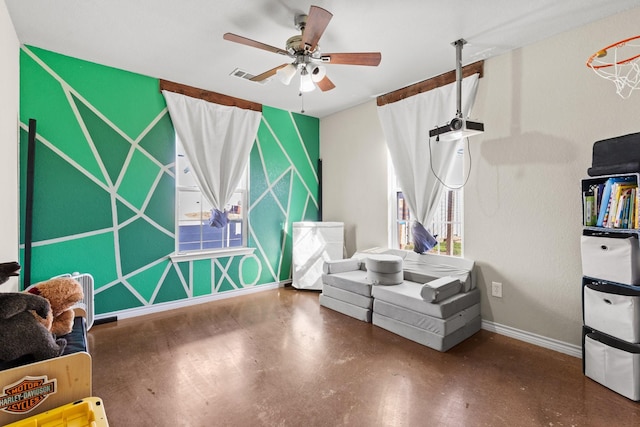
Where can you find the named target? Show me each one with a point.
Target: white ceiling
(182, 40)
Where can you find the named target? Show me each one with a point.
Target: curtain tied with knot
(217, 140)
(406, 126)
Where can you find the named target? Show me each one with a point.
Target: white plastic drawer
(615, 315)
(612, 259)
(612, 367)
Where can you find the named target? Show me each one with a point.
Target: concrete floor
(276, 358)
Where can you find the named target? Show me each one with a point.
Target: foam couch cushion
(407, 294)
(424, 337)
(382, 263)
(423, 268)
(383, 269)
(340, 265)
(442, 327)
(346, 296)
(345, 308)
(440, 289)
(352, 281)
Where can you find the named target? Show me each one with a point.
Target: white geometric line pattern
(287, 202)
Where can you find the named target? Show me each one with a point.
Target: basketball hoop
(619, 63)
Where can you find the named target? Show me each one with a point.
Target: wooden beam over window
(430, 84)
(209, 96)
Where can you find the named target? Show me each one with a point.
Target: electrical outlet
(496, 289)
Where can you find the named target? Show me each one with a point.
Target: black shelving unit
(610, 252)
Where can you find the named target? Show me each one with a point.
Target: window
(193, 211)
(447, 224)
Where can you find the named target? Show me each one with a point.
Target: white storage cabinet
(313, 244)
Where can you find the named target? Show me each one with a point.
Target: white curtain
(217, 140)
(406, 126)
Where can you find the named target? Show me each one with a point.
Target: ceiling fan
(306, 55)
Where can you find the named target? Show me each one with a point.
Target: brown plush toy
(62, 293)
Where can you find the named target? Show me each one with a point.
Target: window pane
(193, 213)
(446, 225)
(404, 223)
(184, 175)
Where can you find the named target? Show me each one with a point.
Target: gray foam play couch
(437, 304)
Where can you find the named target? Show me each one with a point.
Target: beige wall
(354, 176)
(543, 109)
(9, 115)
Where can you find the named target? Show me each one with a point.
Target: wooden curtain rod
(209, 96)
(430, 84)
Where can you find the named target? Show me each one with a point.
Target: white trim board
(158, 308)
(531, 338)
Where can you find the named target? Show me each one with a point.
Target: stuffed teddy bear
(20, 333)
(62, 294)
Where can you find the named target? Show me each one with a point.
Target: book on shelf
(589, 204)
(612, 204)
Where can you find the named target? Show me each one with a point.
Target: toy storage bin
(611, 256)
(611, 308)
(612, 362)
(87, 412)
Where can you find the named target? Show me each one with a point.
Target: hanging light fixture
(318, 72)
(306, 83)
(286, 73)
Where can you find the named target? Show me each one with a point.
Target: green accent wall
(104, 199)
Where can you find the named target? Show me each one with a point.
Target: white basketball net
(619, 63)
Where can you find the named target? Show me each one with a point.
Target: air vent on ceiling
(244, 75)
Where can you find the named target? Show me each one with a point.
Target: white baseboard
(157, 308)
(539, 340)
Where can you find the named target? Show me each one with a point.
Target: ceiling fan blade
(252, 43)
(325, 84)
(267, 74)
(317, 22)
(360, 58)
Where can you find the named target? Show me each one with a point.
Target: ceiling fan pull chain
(301, 102)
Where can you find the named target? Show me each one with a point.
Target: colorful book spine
(614, 208)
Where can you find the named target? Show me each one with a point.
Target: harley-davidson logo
(25, 394)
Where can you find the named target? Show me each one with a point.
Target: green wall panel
(146, 282)
(171, 288)
(183, 268)
(43, 99)
(282, 189)
(161, 206)
(201, 277)
(112, 147)
(124, 234)
(82, 254)
(271, 154)
(60, 187)
(138, 179)
(116, 298)
(223, 280)
(158, 139)
(131, 101)
(141, 244)
(258, 178)
(123, 212)
(309, 128)
(286, 131)
(250, 269)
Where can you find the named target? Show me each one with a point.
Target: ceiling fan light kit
(286, 73)
(306, 84)
(306, 55)
(318, 72)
